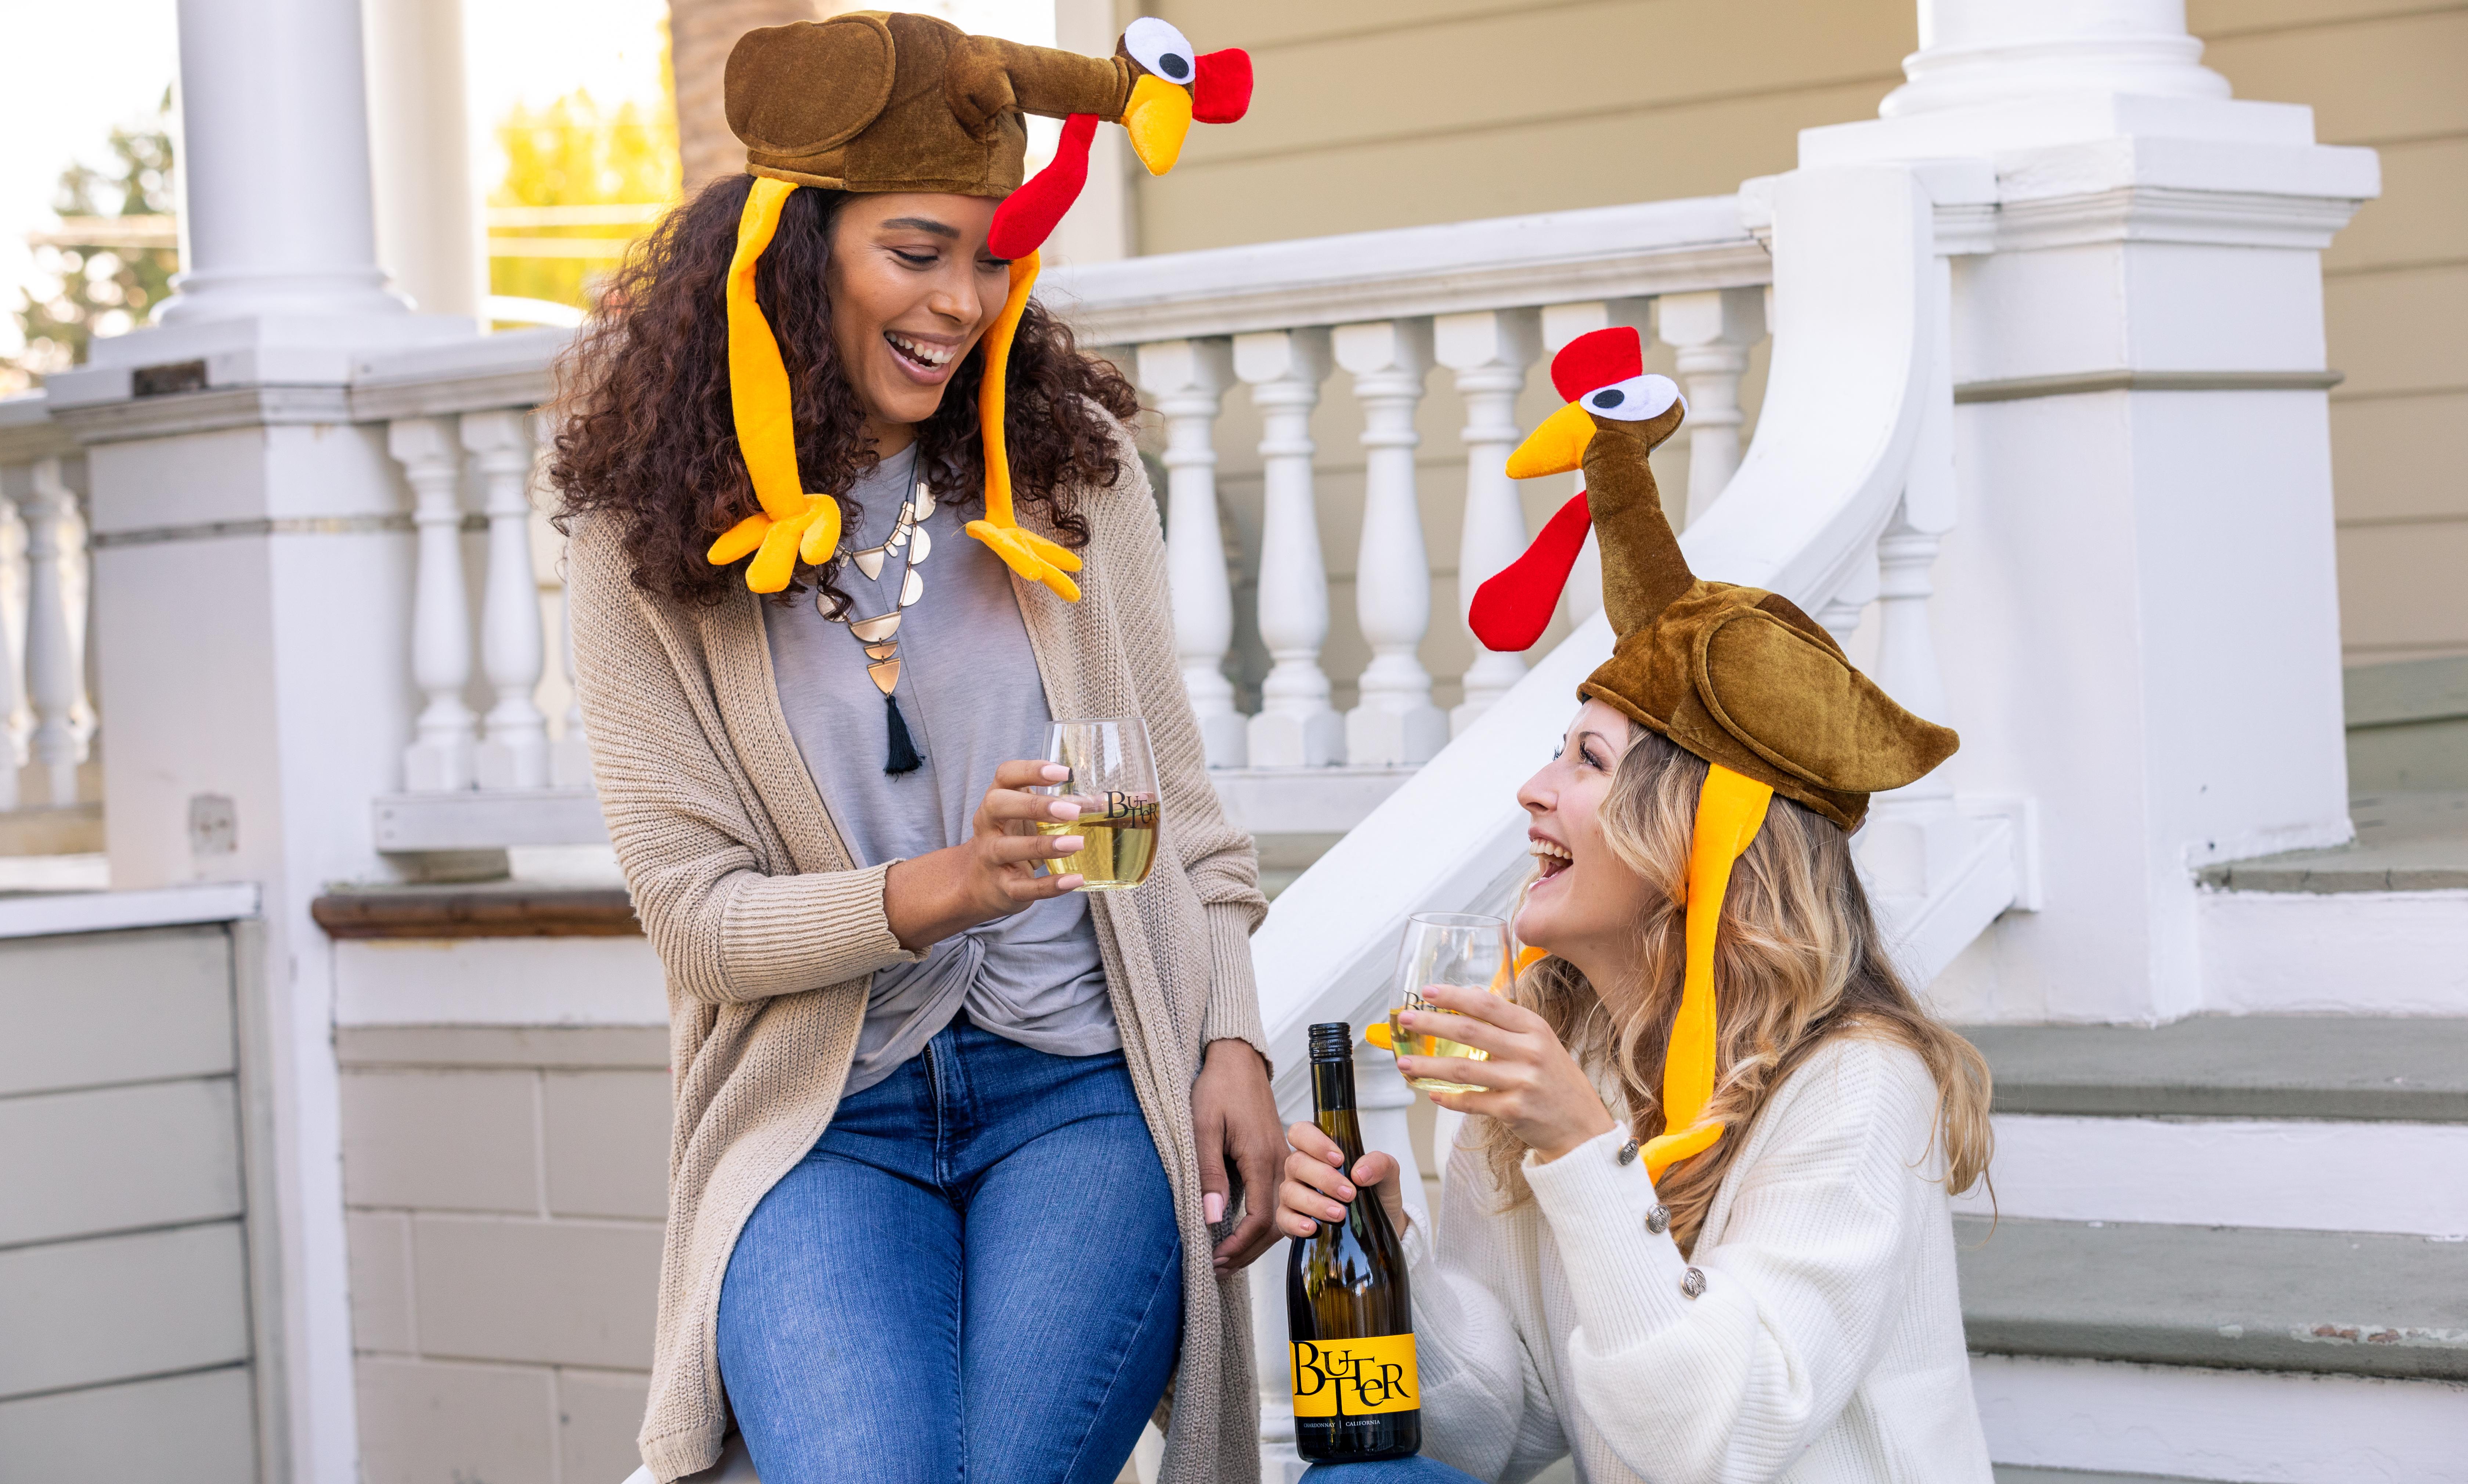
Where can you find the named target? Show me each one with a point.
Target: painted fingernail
(1067, 844)
(1212, 1205)
(1065, 810)
(1056, 772)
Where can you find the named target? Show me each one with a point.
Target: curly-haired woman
(954, 1142)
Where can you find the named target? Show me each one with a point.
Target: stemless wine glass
(1113, 780)
(1446, 947)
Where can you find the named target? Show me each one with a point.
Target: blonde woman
(1692, 1238)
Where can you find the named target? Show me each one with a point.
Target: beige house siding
(1390, 113)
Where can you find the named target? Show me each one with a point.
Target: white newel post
(254, 636)
(1393, 721)
(1489, 350)
(51, 653)
(1712, 332)
(516, 752)
(2139, 612)
(1297, 726)
(1187, 378)
(439, 757)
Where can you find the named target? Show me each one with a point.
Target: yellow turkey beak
(1156, 117)
(1555, 447)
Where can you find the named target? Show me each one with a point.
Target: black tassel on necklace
(902, 756)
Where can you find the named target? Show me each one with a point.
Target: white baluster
(1712, 332)
(569, 758)
(1839, 615)
(1915, 836)
(1297, 726)
(50, 649)
(516, 752)
(439, 759)
(15, 720)
(1393, 721)
(1489, 350)
(1188, 379)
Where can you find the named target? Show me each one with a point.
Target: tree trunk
(702, 34)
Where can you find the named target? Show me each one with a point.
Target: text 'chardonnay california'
(1348, 1313)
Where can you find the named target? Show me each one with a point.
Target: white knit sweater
(1827, 1345)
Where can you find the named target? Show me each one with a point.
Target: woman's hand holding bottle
(1316, 1186)
(992, 873)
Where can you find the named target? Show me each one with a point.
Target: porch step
(2406, 842)
(2020, 1475)
(2398, 1068)
(2325, 1302)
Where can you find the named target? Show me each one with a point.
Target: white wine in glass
(1113, 780)
(1464, 948)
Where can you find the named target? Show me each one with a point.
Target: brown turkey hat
(876, 102)
(1738, 675)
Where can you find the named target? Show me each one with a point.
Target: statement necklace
(878, 635)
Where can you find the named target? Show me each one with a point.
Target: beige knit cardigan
(770, 937)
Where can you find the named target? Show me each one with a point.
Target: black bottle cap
(1331, 1040)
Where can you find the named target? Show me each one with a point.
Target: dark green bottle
(1348, 1311)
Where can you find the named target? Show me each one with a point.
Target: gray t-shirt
(970, 692)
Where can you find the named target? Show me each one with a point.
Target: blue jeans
(974, 1274)
(1417, 1470)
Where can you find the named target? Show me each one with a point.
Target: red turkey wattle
(1511, 610)
(1029, 215)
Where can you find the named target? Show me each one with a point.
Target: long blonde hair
(1797, 962)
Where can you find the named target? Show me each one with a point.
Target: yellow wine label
(1356, 1378)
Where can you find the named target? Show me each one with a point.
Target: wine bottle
(1348, 1313)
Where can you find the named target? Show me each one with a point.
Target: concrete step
(2370, 1068)
(2406, 842)
(2016, 1473)
(2364, 1303)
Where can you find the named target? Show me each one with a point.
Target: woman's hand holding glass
(991, 874)
(1532, 1084)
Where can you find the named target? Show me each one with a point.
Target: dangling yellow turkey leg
(1030, 555)
(1730, 809)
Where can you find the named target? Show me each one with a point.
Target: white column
(274, 143)
(1187, 379)
(50, 648)
(516, 752)
(1489, 350)
(1297, 726)
(569, 757)
(439, 757)
(1393, 721)
(1997, 50)
(429, 240)
(1712, 332)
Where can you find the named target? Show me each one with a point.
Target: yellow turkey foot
(1032, 556)
(1666, 1150)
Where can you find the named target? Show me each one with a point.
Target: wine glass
(1113, 780)
(1465, 948)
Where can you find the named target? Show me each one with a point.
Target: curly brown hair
(646, 434)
